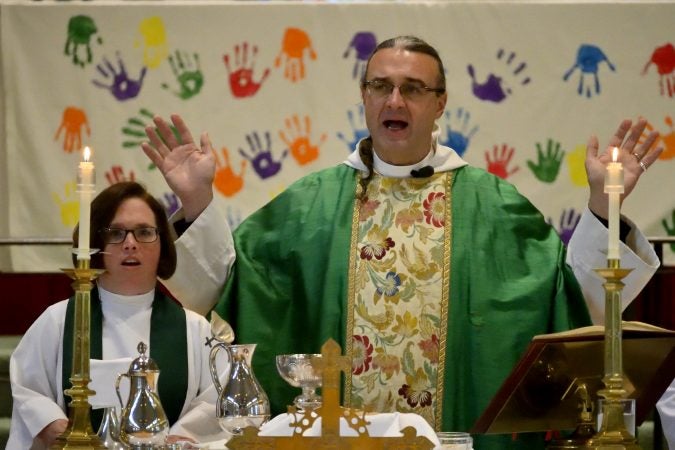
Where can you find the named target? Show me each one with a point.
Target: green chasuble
(288, 290)
(168, 347)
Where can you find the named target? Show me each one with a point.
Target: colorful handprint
(72, 121)
(226, 181)
(261, 158)
(569, 219)
(170, 202)
(134, 131)
(293, 47)
(495, 89)
(664, 59)
(576, 166)
(80, 32)
(547, 167)
(458, 136)
(188, 74)
(668, 138)
(240, 74)
(588, 62)
(69, 205)
(298, 141)
(116, 175)
(359, 129)
(498, 163)
(153, 39)
(363, 43)
(117, 81)
(670, 228)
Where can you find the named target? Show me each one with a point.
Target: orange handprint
(293, 46)
(72, 121)
(668, 139)
(500, 159)
(301, 148)
(116, 175)
(226, 181)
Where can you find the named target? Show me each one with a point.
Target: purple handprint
(494, 89)
(588, 60)
(171, 203)
(363, 43)
(122, 87)
(359, 129)
(569, 219)
(458, 139)
(260, 158)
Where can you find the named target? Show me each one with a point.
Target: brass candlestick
(79, 434)
(613, 433)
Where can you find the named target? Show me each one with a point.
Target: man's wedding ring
(643, 165)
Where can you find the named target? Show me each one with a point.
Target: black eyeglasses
(410, 90)
(118, 235)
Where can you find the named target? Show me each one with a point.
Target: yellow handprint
(70, 205)
(153, 36)
(576, 165)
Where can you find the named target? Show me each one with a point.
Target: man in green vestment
(431, 274)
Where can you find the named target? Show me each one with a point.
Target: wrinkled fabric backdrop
(276, 86)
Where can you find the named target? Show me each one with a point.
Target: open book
(599, 330)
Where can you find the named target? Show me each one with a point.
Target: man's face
(401, 127)
(131, 266)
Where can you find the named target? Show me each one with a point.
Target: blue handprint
(588, 60)
(494, 89)
(569, 219)
(359, 129)
(458, 139)
(363, 43)
(260, 158)
(121, 87)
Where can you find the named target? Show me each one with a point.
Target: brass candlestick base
(79, 434)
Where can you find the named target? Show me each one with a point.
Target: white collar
(125, 303)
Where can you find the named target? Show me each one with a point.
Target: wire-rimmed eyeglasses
(145, 235)
(410, 90)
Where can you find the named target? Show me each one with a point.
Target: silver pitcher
(109, 430)
(143, 419)
(242, 402)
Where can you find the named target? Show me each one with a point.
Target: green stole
(168, 334)
(289, 288)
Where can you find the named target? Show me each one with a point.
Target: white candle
(614, 189)
(85, 187)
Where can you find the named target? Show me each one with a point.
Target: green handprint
(188, 74)
(70, 205)
(134, 131)
(670, 229)
(548, 166)
(80, 31)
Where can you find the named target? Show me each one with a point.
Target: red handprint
(298, 141)
(294, 44)
(116, 175)
(500, 159)
(226, 181)
(72, 121)
(241, 79)
(664, 59)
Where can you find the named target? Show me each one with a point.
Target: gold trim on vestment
(353, 251)
(445, 302)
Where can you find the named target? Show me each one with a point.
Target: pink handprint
(241, 78)
(293, 46)
(497, 165)
(226, 181)
(72, 122)
(298, 141)
(664, 59)
(116, 175)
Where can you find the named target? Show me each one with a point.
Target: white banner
(276, 86)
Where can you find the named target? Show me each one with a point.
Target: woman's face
(131, 266)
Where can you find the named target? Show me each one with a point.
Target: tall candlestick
(85, 187)
(614, 189)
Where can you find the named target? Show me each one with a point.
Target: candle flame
(615, 154)
(87, 153)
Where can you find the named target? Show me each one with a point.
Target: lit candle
(85, 185)
(614, 189)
